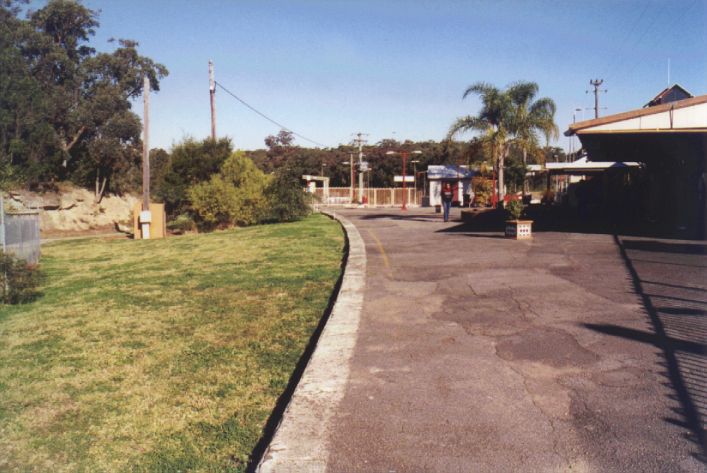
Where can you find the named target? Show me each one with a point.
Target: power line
(266, 117)
(623, 43)
(630, 66)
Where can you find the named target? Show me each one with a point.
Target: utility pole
(145, 218)
(146, 145)
(360, 142)
(212, 94)
(351, 181)
(596, 83)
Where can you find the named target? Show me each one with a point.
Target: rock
(73, 209)
(123, 227)
(50, 201)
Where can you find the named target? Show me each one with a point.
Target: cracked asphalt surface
(570, 352)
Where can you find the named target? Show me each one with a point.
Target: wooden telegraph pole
(212, 94)
(146, 146)
(145, 218)
(596, 84)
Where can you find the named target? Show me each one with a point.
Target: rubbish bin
(438, 209)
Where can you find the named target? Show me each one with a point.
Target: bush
(483, 191)
(183, 223)
(514, 208)
(235, 196)
(288, 201)
(214, 202)
(18, 280)
(191, 162)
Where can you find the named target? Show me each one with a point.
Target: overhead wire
(630, 66)
(246, 104)
(622, 44)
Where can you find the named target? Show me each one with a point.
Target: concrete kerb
(300, 440)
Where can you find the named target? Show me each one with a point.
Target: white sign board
(407, 178)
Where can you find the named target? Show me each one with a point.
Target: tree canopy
(508, 117)
(65, 109)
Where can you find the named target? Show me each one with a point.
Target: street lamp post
(405, 155)
(351, 162)
(574, 120)
(414, 178)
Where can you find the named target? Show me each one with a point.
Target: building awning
(584, 166)
(449, 172)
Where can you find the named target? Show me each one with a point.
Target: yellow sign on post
(151, 224)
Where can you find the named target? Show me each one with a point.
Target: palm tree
(495, 121)
(531, 117)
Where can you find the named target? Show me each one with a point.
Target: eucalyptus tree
(494, 121)
(531, 117)
(73, 100)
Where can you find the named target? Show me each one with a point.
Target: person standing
(447, 195)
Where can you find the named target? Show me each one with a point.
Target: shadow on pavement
(666, 247)
(564, 220)
(401, 215)
(675, 286)
(679, 331)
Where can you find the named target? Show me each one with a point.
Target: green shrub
(288, 201)
(18, 280)
(190, 162)
(235, 196)
(183, 223)
(514, 208)
(214, 202)
(483, 191)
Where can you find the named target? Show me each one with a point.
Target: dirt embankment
(74, 211)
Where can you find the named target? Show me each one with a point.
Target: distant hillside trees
(204, 182)
(65, 109)
(382, 167)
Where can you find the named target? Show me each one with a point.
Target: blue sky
(328, 69)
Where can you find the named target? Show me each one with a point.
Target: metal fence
(19, 234)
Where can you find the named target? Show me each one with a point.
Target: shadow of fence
(676, 304)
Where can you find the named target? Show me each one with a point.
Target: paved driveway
(570, 352)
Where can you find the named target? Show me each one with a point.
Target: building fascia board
(668, 108)
(639, 131)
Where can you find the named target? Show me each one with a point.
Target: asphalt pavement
(474, 353)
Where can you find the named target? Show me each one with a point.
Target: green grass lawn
(160, 355)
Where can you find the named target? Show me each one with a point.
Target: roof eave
(641, 112)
